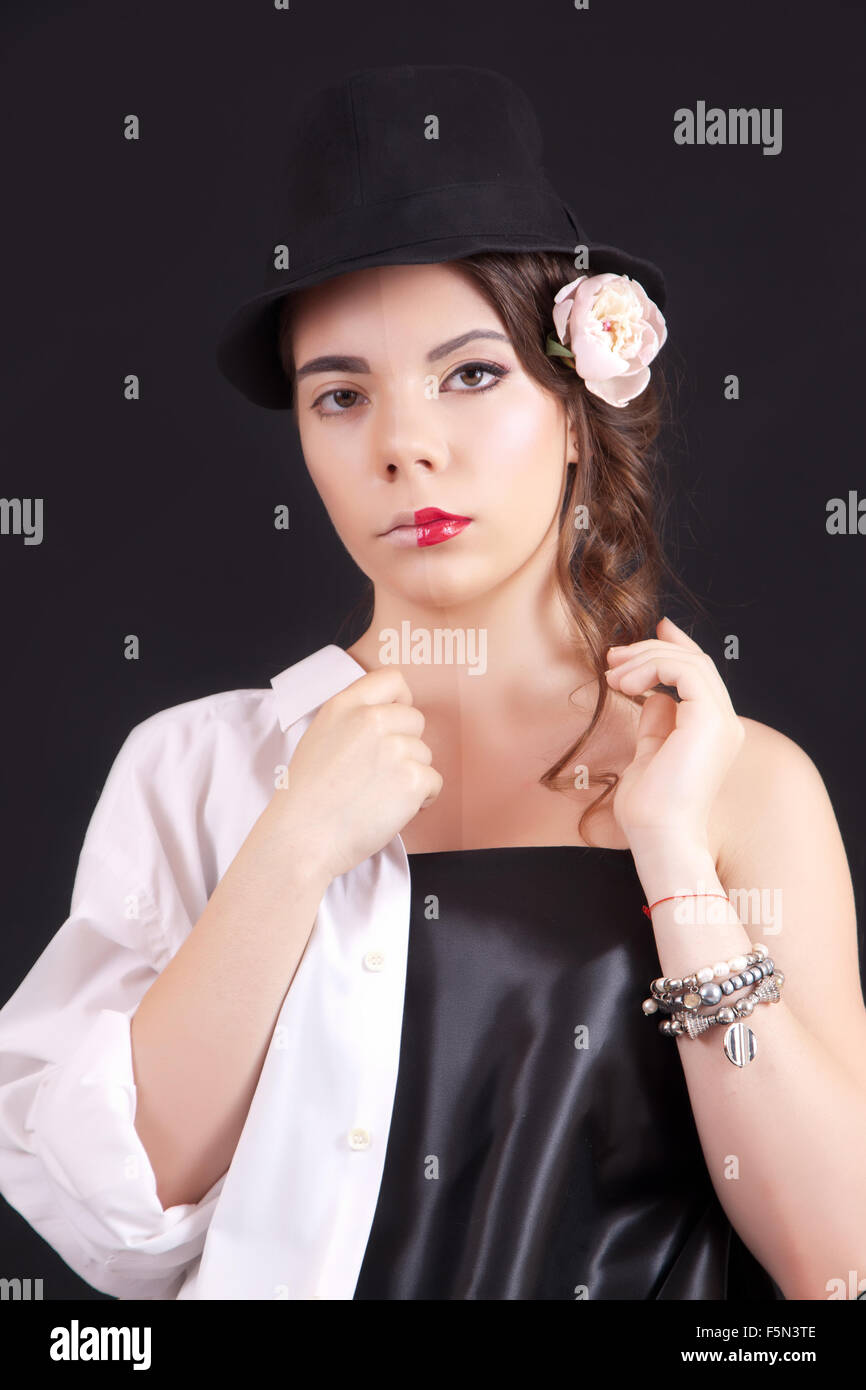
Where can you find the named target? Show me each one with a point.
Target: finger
(658, 719)
(672, 634)
(666, 651)
(377, 688)
(409, 747)
(658, 653)
(668, 625)
(619, 655)
(650, 644)
(403, 719)
(688, 675)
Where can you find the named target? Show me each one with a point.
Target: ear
(571, 438)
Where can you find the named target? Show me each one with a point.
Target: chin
(446, 591)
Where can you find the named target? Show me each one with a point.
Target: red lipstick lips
(430, 526)
(434, 525)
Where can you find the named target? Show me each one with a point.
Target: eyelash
(490, 367)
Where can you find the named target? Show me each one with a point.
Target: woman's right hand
(359, 773)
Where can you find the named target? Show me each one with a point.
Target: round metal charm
(740, 1044)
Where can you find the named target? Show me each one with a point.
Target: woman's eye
(476, 369)
(341, 410)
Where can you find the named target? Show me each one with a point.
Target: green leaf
(556, 349)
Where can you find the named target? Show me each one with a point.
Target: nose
(407, 437)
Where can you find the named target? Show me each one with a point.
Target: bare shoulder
(772, 792)
(770, 776)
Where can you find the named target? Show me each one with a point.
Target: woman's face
(412, 417)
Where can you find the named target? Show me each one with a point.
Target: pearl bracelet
(703, 987)
(683, 997)
(768, 992)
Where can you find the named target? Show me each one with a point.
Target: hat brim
(247, 352)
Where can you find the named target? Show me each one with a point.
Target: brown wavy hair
(610, 573)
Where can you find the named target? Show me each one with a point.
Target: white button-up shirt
(292, 1215)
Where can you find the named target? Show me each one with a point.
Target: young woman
(360, 992)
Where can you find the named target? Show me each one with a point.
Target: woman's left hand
(684, 749)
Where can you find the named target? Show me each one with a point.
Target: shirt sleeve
(71, 1160)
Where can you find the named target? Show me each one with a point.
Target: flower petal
(622, 390)
(561, 315)
(594, 360)
(560, 294)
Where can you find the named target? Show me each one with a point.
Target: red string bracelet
(648, 910)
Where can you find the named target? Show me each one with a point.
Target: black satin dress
(521, 1166)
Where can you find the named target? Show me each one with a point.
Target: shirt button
(374, 960)
(359, 1139)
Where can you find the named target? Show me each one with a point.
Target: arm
(784, 1137)
(201, 1033)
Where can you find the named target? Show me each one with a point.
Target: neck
(506, 651)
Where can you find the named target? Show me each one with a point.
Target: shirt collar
(307, 684)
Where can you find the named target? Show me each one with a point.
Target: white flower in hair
(611, 331)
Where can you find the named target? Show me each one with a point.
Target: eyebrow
(360, 364)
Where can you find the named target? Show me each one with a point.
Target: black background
(124, 256)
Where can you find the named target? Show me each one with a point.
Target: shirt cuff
(80, 1128)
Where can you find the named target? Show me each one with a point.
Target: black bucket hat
(405, 165)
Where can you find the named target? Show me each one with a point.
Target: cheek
(331, 476)
(328, 474)
(326, 484)
(523, 448)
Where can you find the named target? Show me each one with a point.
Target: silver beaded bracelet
(711, 993)
(683, 997)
